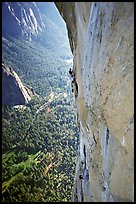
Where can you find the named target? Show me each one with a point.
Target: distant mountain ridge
(14, 92)
(24, 19)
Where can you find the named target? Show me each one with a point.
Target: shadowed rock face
(101, 36)
(13, 90)
(23, 19)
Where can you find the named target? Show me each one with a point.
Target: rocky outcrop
(13, 90)
(24, 19)
(101, 36)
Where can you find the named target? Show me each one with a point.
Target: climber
(74, 87)
(71, 73)
(82, 162)
(80, 176)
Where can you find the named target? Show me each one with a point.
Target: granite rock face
(101, 36)
(14, 92)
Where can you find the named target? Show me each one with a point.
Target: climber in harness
(81, 177)
(82, 196)
(72, 74)
(73, 83)
(74, 87)
(70, 71)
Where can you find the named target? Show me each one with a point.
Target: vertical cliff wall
(101, 37)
